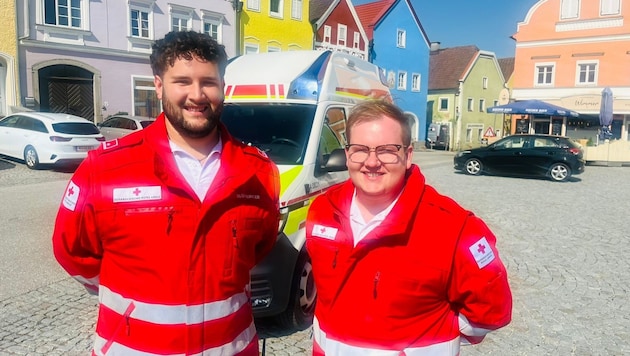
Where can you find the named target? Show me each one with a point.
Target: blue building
(400, 46)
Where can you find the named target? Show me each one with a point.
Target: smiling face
(192, 96)
(377, 183)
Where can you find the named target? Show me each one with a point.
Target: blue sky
(488, 24)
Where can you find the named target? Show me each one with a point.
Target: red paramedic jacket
(171, 271)
(425, 280)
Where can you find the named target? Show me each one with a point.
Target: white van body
(294, 106)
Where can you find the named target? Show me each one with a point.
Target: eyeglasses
(384, 153)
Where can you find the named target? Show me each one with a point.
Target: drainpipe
(237, 5)
(458, 115)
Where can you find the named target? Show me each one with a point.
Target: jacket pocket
(243, 235)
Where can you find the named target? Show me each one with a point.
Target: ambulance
(293, 106)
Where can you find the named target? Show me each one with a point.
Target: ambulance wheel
(301, 307)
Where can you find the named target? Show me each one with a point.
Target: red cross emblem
(136, 192)
(481, 248)
(70, 191)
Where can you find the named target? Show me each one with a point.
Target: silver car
(47, 138)
(117, 126)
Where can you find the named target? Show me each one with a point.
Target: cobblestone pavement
(564, 244)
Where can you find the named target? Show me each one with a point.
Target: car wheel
(474, 166)
(301, 307)
(559, 172)
(30, 157)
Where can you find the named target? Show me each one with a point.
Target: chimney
(435, 46)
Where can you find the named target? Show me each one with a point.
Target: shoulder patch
(110, 144)
(482, 252)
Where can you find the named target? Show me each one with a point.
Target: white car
(117, 126)
(47, 138)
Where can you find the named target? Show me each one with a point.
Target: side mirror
(336, 161)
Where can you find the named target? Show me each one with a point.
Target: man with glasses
(399, 268)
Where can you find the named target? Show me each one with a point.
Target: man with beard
(166, 223)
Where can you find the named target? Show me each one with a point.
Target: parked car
(525, 155)
(47, 138)
(117, 126)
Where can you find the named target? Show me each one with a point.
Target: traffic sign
(489, 132)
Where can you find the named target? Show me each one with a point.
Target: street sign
(489, 132)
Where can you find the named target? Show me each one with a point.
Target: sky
(488, 24)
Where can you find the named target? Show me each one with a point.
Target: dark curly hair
(186, 45)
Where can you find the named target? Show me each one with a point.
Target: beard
(175, 115)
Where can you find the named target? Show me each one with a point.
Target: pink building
(567, 52)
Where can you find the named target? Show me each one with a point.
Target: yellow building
(275, 25)
(9, 89)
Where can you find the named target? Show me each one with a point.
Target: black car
(555, 157)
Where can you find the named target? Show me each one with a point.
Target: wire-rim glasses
(384, 153)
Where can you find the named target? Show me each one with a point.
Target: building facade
(399, 45)
(274, 26)
(91, 58)
(567, 52)
(338, 28)
(9, 89)
(464, 82)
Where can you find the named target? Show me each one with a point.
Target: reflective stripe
(173, 314)
(237, 345)
(467, 329)
(337, 348)
(93, 282)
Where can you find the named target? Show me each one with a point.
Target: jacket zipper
(377, 277)
(234, 235)
(170, 222)
(334, 262)
(126, 315)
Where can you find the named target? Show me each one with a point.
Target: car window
(146, 123)
(510, 142)
(544, 142)
(113, 122)
(76, 128)
(131, 125)
(10, 121)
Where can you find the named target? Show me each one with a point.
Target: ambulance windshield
(281, 131)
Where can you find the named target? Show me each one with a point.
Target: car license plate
(83, 148)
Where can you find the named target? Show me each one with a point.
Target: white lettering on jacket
(324, 231)
(71, 196)
(482, 252)
(137, 194)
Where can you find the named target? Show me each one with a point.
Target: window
(145, 101)
(327, 33)
(443, 104)
(342, 33)
(471, 104)
(402, 81)
(544, 74)
(473, 131)
(253, 5)
(296, 9)
(391, 79)
(495, 103)
(401, 38)
(181, 17)
(356, 41)
(484, 83)
(482, 105)
(273, 49)
(141, 18)
(586, 73)
(275, 8)
(570, 9)
(63, 13)
(251, 48)
(212, 24)
(415, 82)
(609, 7)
